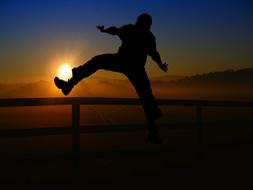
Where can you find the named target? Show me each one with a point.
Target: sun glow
(65, 72)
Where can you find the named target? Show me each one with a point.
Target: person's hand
(101, 28)
(164, 66)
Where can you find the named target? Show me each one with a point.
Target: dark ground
(123, 160)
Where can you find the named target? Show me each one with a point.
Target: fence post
(76, 140)
(199, 118)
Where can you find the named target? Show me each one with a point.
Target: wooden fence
(76, 102)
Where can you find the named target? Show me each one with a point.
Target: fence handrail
(13, 102)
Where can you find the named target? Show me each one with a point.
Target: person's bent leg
(105, 61)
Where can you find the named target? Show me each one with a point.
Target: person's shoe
(153, 137)
(66, 87)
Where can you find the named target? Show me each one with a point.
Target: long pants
(137, 76)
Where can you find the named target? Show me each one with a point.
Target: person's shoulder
(127, 26)
(151, 36)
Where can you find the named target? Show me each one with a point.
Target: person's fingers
(165, 67)
(100, 27)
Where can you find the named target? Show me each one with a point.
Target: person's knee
(91, 65)
(95, 60)
(94, 63)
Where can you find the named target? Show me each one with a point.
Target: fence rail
(77, 101)
(12, 102)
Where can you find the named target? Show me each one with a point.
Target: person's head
(144, 21)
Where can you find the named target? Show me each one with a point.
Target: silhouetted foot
(153, 137)
(155, 140)
(66, 87)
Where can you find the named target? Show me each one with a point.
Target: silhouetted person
(137, 42)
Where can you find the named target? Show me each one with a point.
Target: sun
(65, 72)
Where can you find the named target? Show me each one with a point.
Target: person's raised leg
(105, 61)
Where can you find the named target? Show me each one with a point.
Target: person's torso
(136, 44)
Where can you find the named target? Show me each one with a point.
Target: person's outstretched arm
(157, 58)
(111, 30)
(154, 54)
